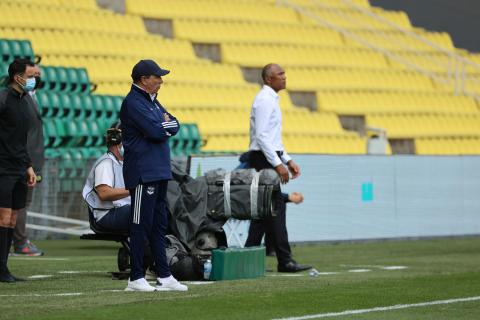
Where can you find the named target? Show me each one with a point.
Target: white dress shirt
(266, 126)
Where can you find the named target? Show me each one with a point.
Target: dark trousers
(117, 219)
(149, 223)
(276, 226)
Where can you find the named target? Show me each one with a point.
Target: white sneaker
(170, 284)
(139, 285)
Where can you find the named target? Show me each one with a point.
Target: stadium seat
(12, 49)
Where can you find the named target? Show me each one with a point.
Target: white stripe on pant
(138, 204)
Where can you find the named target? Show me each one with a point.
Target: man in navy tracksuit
(146, 128)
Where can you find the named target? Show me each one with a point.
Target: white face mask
(121, 150)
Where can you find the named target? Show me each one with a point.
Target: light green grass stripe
(395, 307)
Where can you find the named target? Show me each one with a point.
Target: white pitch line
(40, 276)
(199, 283)
(326, 273)
(359, 270)
(394, 268)
(38, 258)
(389, 308)
(43, 295)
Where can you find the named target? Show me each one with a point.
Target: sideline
(395, 307)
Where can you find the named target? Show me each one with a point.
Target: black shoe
(293, 266)
(14, 277)
(6, 277)
(17, 279)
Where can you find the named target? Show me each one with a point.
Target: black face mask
(37, 83)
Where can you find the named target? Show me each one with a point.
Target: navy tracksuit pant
(149, 223)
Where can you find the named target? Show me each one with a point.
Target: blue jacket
(146, 127)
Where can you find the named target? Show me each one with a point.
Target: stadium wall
(460, 18)
(377, 197)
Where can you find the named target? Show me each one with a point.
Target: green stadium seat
(26, 49)
(97, 152)
(52, 153)
(15, 49)
(61, 138)
(83, 132)
(109, 108)
(65, 110)
(83, 81)
(55, 104)
(87, 105)
(73, 80)
(44, 104)
(77, 108)
(98, 105)
(49, 77)
(12, 49)
(75, 137)
(54, 133)
(66, 166)
(63, 79)
(95, 134)
(5, 53)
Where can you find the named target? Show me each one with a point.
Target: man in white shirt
(104, 190)
(267, 151)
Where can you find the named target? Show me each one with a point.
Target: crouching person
(104, 190)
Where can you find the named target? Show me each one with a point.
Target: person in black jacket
(146, 128)
(22, 246)
(16, 172)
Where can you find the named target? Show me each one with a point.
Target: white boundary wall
(377, 197)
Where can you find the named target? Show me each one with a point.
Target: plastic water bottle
(207, 269)
(314, 272)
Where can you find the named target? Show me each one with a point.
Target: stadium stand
(355, 59)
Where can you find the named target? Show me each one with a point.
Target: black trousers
(275, 227)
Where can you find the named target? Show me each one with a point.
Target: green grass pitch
(353, 276)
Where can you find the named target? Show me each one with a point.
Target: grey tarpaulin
(187, 204)
(198, 205)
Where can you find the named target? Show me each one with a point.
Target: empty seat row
(47, 16)
(119, 69)
(294, 143)
(323, 3)
(327, 144)
(178, 95)
(67, 80)
(195, 95)
(61, 142)
(308, 78)
(448, 146)
(256, 55)
(358, 102)
(351, 18)
(93, 43)
(395, 40)
(426, 125)
(206, 31)
(81, 107)
(79, 4)
(218, 121)
(233, 10)
(74, 133)
(11, 49)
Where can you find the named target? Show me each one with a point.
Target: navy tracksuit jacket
(146, 127)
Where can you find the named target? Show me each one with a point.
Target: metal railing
(451, 71)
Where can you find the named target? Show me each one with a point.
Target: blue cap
(148, 68)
